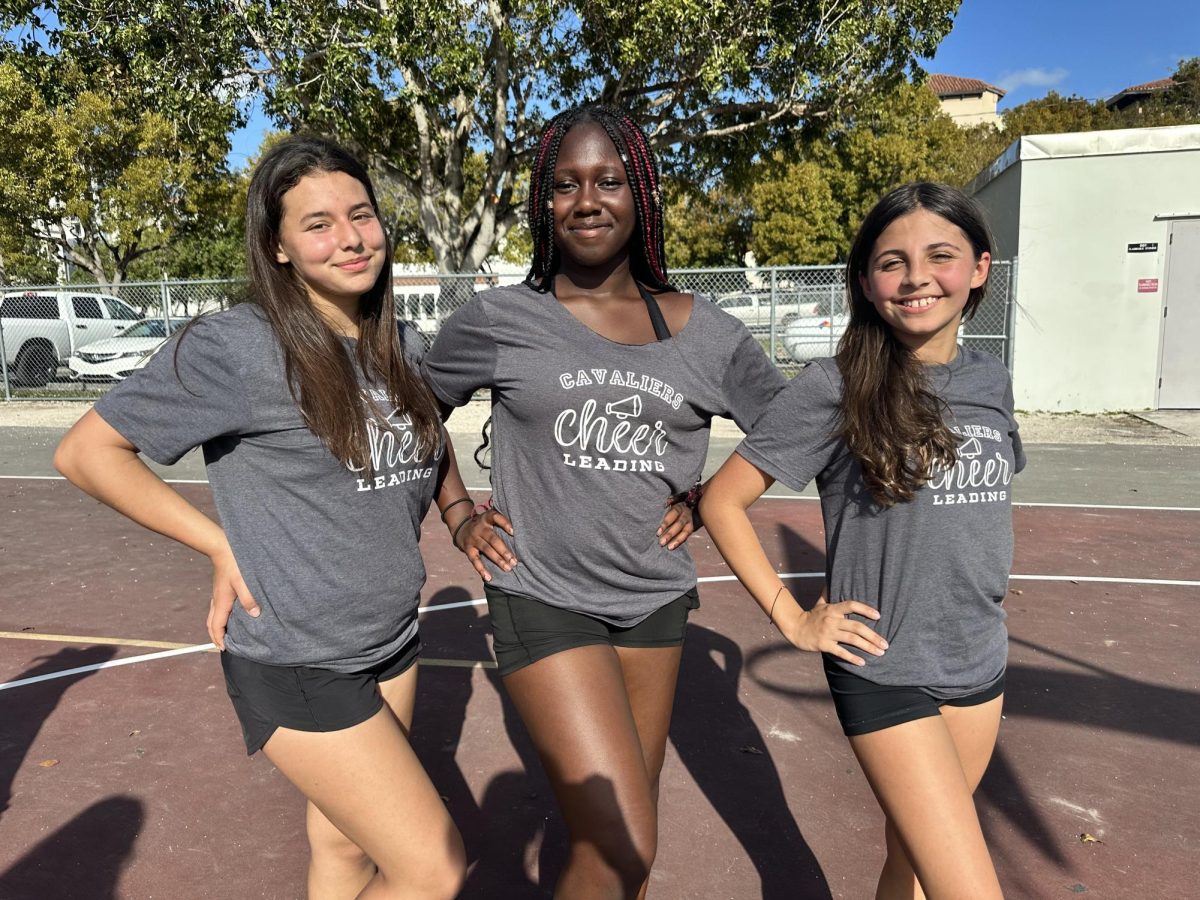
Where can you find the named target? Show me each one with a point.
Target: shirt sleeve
(412, 345)
(191, 391)
(750, 381)
(463, 356)
(794, 439)
(1014, 432)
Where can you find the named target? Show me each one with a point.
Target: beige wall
(967, 111)
(1084, 338)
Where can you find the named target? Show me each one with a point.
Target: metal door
(1179, 364)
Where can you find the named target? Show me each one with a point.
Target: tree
(796, 217)
(92, 173)
(706, 229)
(419, 88)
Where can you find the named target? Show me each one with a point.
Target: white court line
(199, 648)
(95, 667)
(811, 499)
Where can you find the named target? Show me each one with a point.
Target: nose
(348, 236)
(916, 274)
(586, 199)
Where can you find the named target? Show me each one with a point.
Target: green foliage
(420, 89)
(706, 230)
(796, 218)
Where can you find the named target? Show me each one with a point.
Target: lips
(357, 264)
(588, 229)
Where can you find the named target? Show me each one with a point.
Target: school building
(1105, 227)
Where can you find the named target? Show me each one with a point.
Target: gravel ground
(1036, 428)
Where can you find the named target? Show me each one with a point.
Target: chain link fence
(71, 341)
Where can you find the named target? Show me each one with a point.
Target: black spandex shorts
(864, 706)
(526, 630)
(305, 698)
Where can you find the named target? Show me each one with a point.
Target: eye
(563, 186)
(364, 216)
(318, 226)
(611, 183)
(889, 265)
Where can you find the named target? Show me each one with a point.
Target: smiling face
(919, 277)
(594, 214)
(330, 235)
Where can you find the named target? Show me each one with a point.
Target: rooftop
(955, 86)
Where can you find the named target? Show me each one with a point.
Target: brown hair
(889, 418)
(320, 372)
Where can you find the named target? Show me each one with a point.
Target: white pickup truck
(39, 330)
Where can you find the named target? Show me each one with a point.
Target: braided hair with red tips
(647, 250)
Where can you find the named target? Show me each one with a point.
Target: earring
(549, 204)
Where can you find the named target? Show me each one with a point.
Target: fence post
(164, 296)
(4, 362)
(1010, 313)
(774, 303)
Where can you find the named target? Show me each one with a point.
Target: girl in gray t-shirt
(912, 441)
(604, 382)
(324, 449)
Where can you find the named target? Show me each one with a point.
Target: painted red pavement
(151, 796)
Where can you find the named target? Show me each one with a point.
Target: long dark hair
(890, 419)
(647, 258)
(320, 373)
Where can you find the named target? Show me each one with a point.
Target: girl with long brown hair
(912, 442)
(604, 380)
(324, 450)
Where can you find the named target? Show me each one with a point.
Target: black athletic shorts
(525, 630)
(864, 706)
(306, 698)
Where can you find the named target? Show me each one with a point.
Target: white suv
(39, 330)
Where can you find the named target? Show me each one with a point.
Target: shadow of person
(24, 709)
(504, 830)
(83, 860)
(723, 750)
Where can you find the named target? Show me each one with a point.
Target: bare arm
(473, 533)
(94, 456)
(729, 494)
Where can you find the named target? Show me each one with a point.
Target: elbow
(65, 458)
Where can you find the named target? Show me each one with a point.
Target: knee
(330, 846)
(441, 874)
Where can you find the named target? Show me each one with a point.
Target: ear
(983, 265)
(865, 284)
(280, 256)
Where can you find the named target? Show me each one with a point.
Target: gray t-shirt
(592, 436)
(935, 567)
(330, 554)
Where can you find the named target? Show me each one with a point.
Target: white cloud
(1032, 78)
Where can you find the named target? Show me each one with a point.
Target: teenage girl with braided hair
(913, 445)
(604, 382)
(324, 449)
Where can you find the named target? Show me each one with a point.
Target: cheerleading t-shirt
(936, 567)
(330, 554)
(592, 436)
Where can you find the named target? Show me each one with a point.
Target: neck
(340, 313)
(613, 278)
(934, 349)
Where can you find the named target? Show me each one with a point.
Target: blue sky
(1092, 48)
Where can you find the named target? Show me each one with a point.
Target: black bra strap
(661, 331)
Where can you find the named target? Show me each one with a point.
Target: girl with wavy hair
(913, 444)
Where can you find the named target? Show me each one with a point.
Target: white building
(1105, 226)
(968, 101)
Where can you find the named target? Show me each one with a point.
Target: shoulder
(714, 319)
(239, 326)
(984, 365)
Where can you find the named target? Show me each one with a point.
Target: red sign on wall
(1147, 285)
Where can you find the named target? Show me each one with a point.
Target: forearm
(728, 525)
(453, 500)
(117, 477)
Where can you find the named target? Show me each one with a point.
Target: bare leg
(924, 773)
(376, 824)
(580, 710)
(650, 678)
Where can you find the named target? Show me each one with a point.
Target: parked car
(119, 356)
(811, 337)
(41, 329)
(753, 307)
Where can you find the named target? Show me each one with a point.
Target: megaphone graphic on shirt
(971, 449)
(630, 407)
